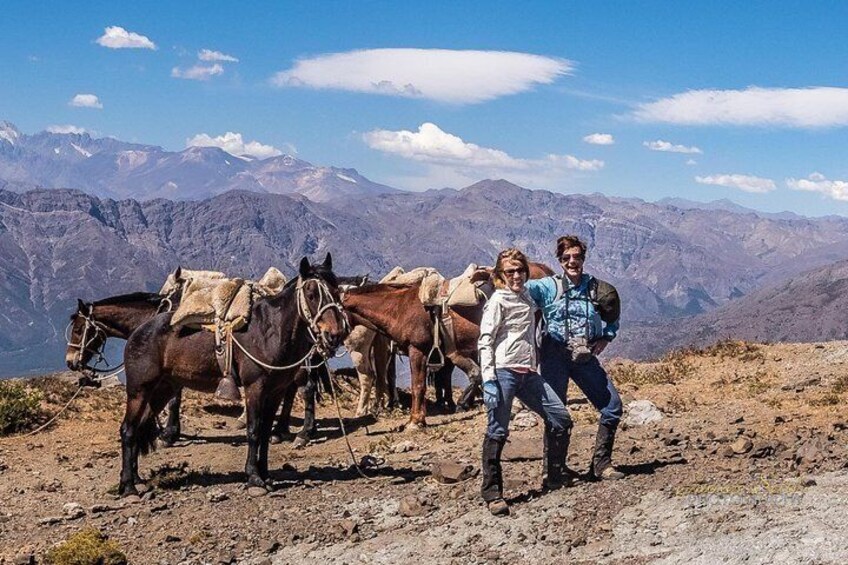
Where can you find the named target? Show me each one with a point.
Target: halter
(98, 329)
(325, 302)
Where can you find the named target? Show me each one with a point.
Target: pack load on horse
(284, 331)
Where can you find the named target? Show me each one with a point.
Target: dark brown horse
(396, 311)
(284, 330)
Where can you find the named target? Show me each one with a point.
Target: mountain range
(687, 272)
(111, 168)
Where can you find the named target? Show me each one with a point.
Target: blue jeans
(557, 369)
(537, 395)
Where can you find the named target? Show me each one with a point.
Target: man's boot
(492, 489)
(602, 468)
(228, 389)
(555, 453)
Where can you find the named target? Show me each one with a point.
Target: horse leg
(418, 373)
(281, 428)
(391, 382)
(475, 382)
(138, 435)
(269, 408)
(361, 361)
(255, 420)
(443, 382)
(171, 432)
(310, 427)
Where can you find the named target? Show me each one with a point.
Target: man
(581, 317)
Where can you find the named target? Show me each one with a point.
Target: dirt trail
(747, 465)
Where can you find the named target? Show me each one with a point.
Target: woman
(508, 361)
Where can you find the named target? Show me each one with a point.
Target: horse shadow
(285, 477)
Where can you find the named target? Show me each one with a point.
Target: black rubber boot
(555, 454)
(602, 468)
(492, 489)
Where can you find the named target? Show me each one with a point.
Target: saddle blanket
(436, 290)
(208, 301)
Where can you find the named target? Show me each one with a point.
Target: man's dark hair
(566, 242)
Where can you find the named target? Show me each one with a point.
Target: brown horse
(304, 318)
(396, 311)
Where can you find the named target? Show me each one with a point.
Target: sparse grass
(86, 547)
(840, 385)
(731, 348)
(20, 406)
(827, 399)
(669, 370)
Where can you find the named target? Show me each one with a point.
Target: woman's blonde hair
(509, 255)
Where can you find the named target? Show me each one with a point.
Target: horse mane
(131, 297)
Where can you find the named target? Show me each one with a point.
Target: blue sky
(708, 100)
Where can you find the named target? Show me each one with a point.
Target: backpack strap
(560, 289)
(593, 291)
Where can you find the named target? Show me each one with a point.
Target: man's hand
(491, 394)
(599, 346)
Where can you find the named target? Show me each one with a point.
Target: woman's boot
(555, 454)
(602, 468)
(492, 489)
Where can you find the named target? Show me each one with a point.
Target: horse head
(319, 304)
(85, 337)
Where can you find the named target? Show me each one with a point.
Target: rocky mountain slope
(669, 263)
(742, 461)
(111, 168)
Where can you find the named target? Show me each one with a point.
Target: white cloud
(458, 77)
(746, 183)
(116, 37)
(436, 147)
(198, 72)
(691, 162)
(234, 144)
(599, 139)
(66, 128)
(668, 147)
(209, 55)
(817, 182)
(789, 107)
(86, 101)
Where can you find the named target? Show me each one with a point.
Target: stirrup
(228, 389)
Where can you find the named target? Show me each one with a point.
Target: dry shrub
(732, 348)
(827, 399)
(670, 370)
(20, 406)
(840, 385)
(87, 547)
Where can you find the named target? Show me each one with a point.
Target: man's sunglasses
(567, 257)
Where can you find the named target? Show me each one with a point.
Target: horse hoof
(300, 442)
(275, 439)
(413, 426)
(256, 491)
(127, 490)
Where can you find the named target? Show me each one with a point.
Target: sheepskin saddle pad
(209, 301)
(436, 290)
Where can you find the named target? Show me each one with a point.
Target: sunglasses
(511, 272)
(564, 258)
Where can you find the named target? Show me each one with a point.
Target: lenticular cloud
(456, 77)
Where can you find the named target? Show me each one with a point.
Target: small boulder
(72, 510)
(641, 413)
(411, 506)
(448, 472)
(741, 445)
(404, 446)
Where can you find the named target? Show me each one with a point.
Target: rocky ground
(734, 454)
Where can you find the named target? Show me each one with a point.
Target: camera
(579, 348)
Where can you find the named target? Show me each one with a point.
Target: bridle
(92, 330)
(326, 302)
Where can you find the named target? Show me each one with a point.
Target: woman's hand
(491, 394)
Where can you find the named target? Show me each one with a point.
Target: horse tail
(147, 435)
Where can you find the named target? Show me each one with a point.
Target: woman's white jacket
(507, 333)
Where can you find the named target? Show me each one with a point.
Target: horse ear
(178, 273)
(305, 267)
(80, 305)
(328, 261)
